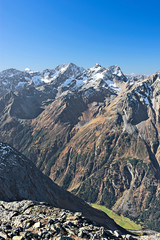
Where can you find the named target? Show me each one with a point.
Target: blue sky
(41, 34)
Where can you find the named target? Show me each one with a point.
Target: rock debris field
(32, 220)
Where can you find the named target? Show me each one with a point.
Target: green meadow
(120, 220)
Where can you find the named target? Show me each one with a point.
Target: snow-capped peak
(27, 69)
(115, 70)
(68, 71)
(158, 73)
(74, 69)
(97, 65)
(65, 75)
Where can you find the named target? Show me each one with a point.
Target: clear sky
(41, 34)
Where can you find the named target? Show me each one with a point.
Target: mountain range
(94, 131)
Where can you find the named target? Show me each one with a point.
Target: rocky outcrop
(32, 220)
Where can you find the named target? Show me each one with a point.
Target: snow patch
(146, 101)
(68, 81)
(37, 80)
(98, 76)
(46, 75)
(112, 85)
(21, 84)
(5, 83)
(79, 83)
(117, 72)
(11, 75)
(27, 78)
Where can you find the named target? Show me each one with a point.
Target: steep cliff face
(96, 134)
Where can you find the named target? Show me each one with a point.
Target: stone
(8, 226)
(17, 238)
(69, 231)
(37, 225)
(3, 235)
(71, 218)
(129, 237)
(81, 233)
(29, 223)
(78, 214)
(2, 238)
(51, 221)
(68, 224)
(116, 233)
(53, 228)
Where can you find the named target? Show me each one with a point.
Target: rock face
(32, 220)
(20, 179)
(95, 132)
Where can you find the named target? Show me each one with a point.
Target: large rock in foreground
(20, 179)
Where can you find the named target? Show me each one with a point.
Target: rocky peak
(158, 74)
(96, 68)
(116, 71)
(9, 72)
(70, 68)
(60, 73)
(97, 65)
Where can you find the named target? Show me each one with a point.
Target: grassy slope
(121, 220)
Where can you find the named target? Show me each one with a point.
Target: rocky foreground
(32, 220)
(150, 237)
